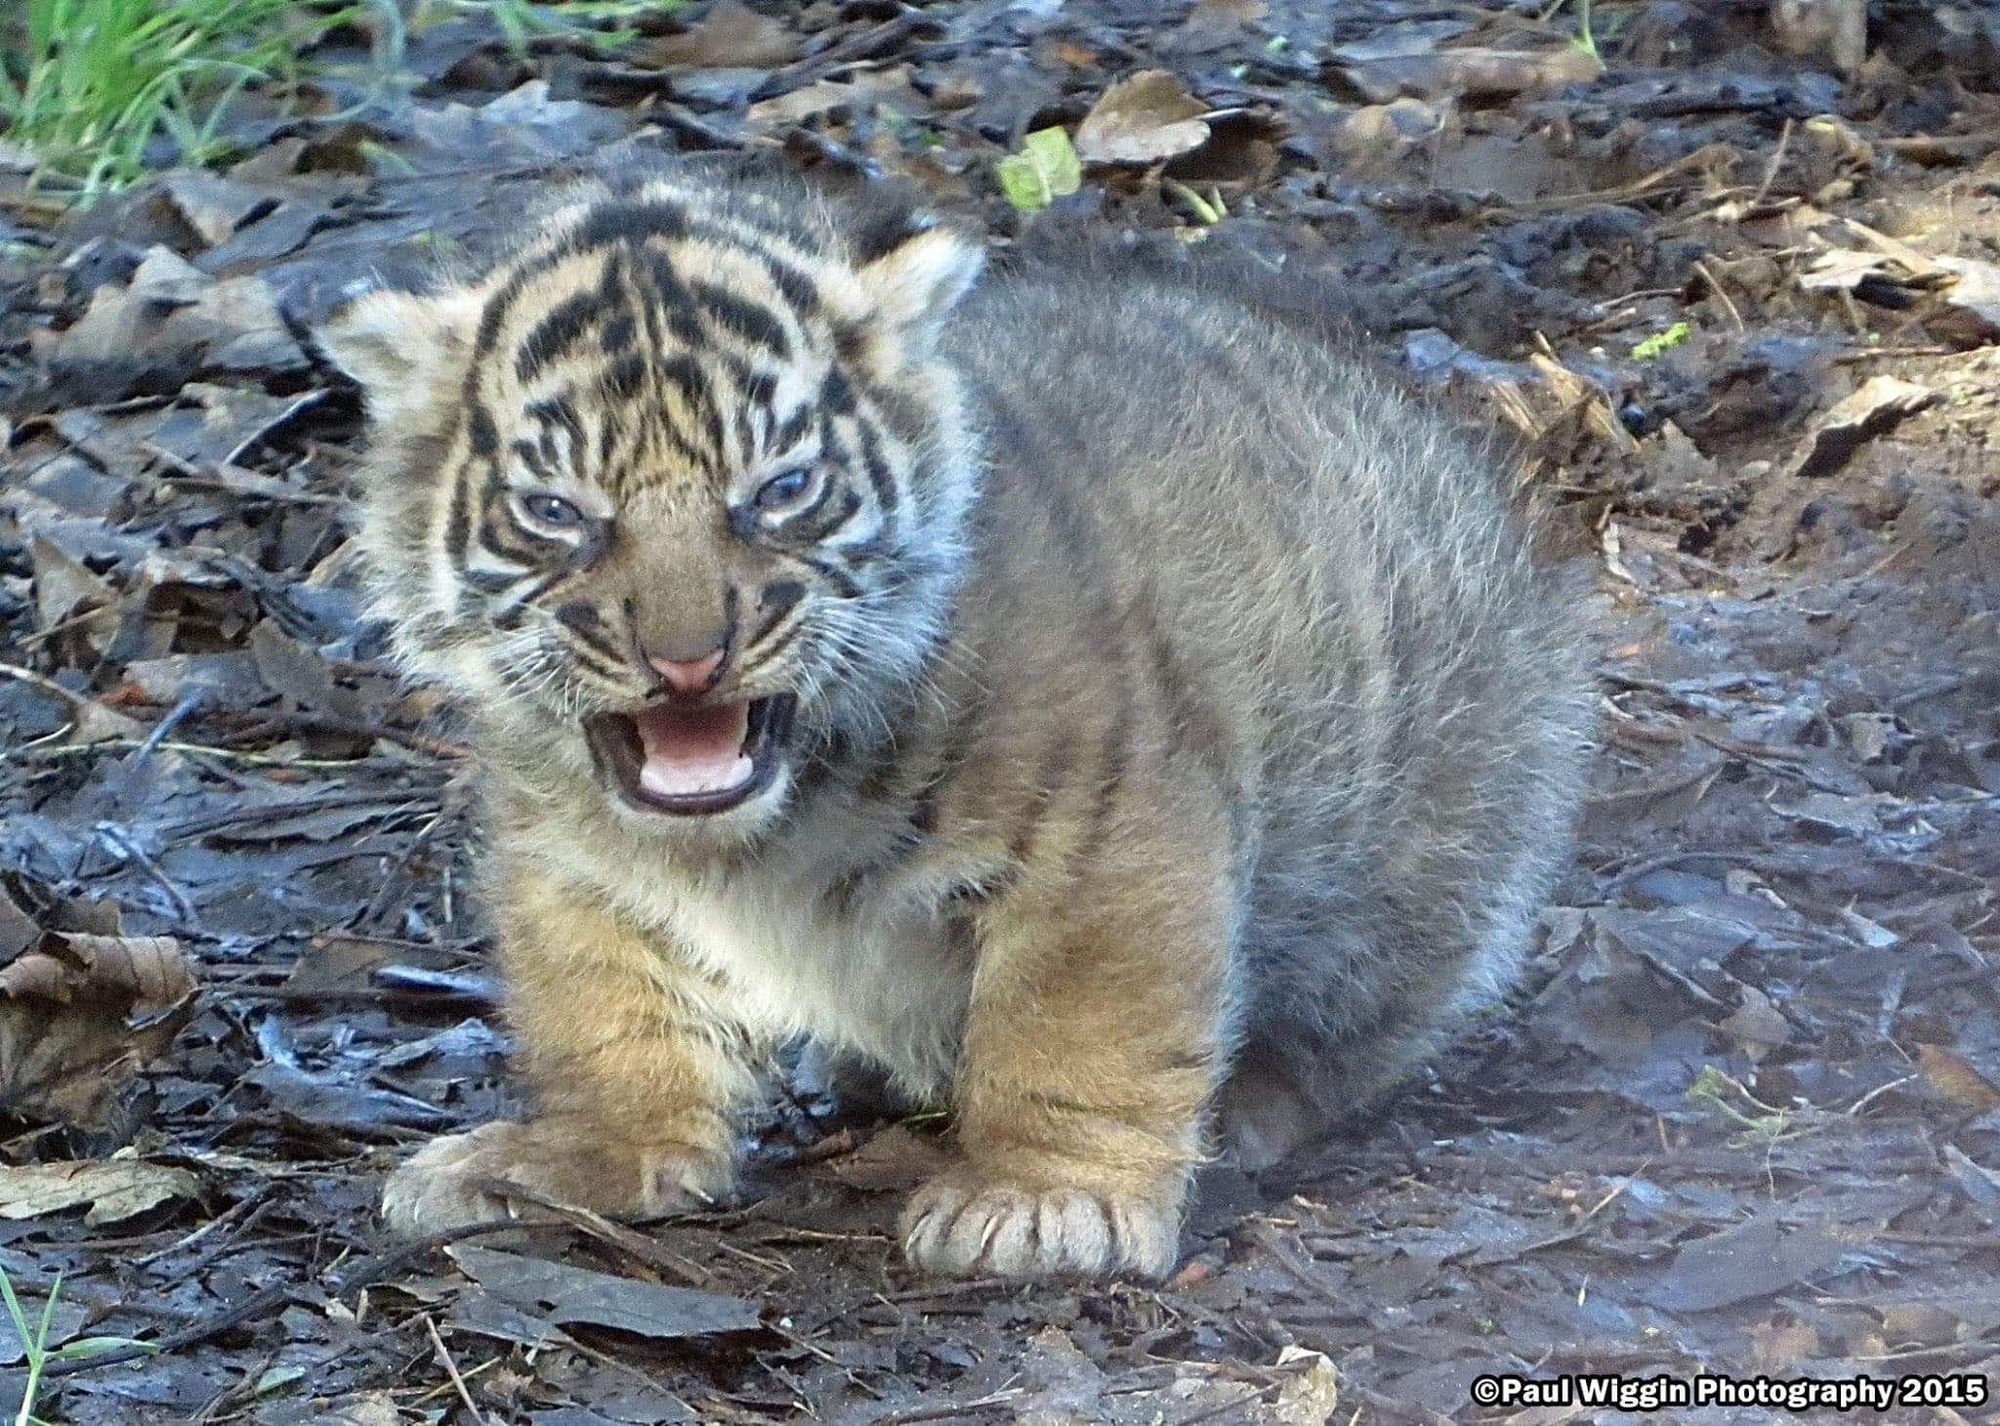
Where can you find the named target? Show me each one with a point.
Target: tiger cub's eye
(784, 489)
(550, 510)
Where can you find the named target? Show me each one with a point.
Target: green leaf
(277, 1379)
(97, 1347)
(1662, 341)
(1044, 170)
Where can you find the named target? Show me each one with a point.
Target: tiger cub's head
(674, 492)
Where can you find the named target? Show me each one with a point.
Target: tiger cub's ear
(396, 345)
(915, 282)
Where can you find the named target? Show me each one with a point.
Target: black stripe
(685, 374)
(606, 224)
(501, 534)
(1057, 759)
(926, 806)
(875, 547)
(880, 479)
(631, 223)
(836, 393)
(490, 582)
(624, 379)
(587, 625)
(547, 448)
(742, 318)
(712, 427)
(559, 330)
(670, 312)
(608, 432)
(494, 314)
(688, 377)
(850, 506)
(538, 588)
(1113, 758)
(458, 519)
(535, 458)
(844, 584)
(792, 429)
(764, 657)
(1192, 725)
(792, 284)
(777, 600)
(850, 340)
(558, 411)
(481, 434)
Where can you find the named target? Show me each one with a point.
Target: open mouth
(691, 760)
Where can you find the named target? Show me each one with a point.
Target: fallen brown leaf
(1472, 73)
(1876, 406)
(730, 35)
(81, 1014)
(1953, 1076)
(115, 1189)
(1148, 117)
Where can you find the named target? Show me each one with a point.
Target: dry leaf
(115, 1189)
(1472, 73)
(570, 1296)
(1953, 1076)
(80, 1014)
(894, 1161)
(1876, 406)
(1970, 306)
(1803, 26)
(1224, 15)
(1147, 118)
(1311, 1394)
(67, 593)
(1758, 1026)
(730, 35)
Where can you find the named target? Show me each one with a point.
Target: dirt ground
(1731, 316)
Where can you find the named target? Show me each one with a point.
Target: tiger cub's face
(675, 490)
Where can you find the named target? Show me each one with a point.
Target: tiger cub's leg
(634, 1072)
(1095, 1037)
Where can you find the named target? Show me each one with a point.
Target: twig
(944, 1410)
(249, 484)
(386, 804)
(255, 1305)
(630, 1242)
(1715, 286)
(1771, 169)
(202, 750)
(75, 701)
(1224, 1408)
(865, 45)
(1650, 865)
(1872, 1095)
(1898, 353)
(451, 1370)
(115, 837)
(248, 1211)
(373, 1270)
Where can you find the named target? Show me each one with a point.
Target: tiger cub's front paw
(445, 1184)
(964, 1225)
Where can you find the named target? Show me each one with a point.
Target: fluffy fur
(1184, 735)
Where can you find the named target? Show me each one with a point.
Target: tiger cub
(1091, 698)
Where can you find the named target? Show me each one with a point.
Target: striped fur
(1184, 735)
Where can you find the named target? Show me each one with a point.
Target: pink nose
(688, 675)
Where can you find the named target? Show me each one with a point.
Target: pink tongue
(693, 750)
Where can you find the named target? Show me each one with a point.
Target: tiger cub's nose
(688, 675)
